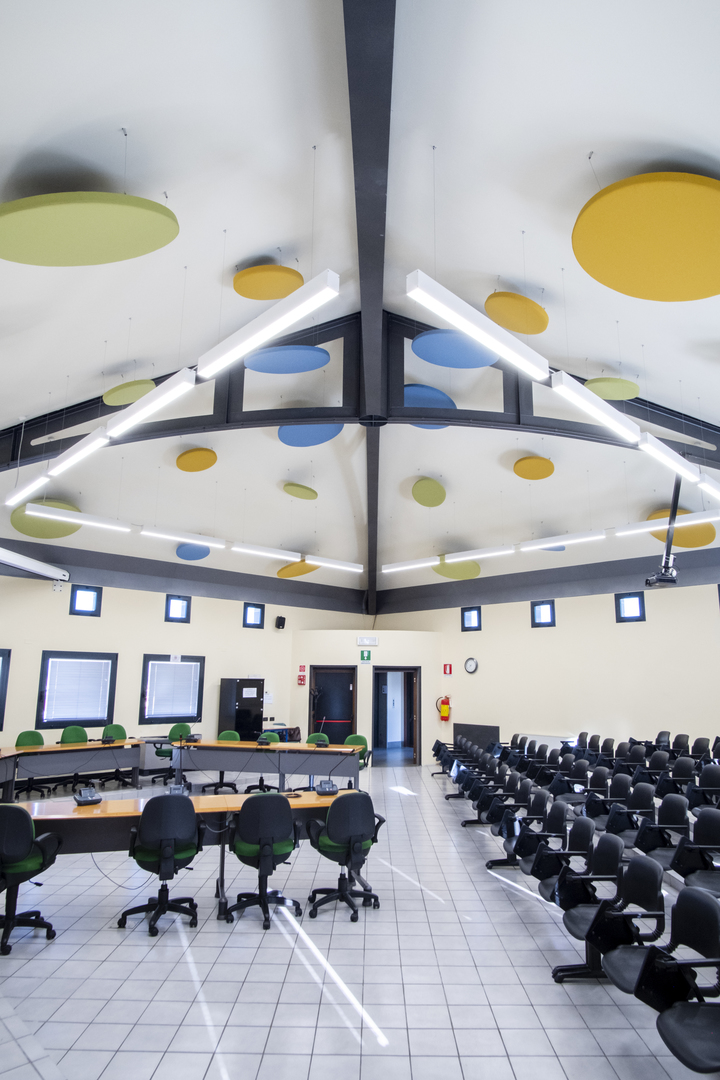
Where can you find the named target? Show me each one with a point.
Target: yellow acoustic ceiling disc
(267, 282)
(533, 468)
(299, 491)
(687, 536)
(43, 528)
(127, 392)
(613, 389)
(83, 228)
(196, 460)
(516, 312)
(428, 492)
(654, 236)
(296, 569)
(459, 571)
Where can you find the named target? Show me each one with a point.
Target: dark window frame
(176, 596)
(470, 629)
(541, 625)
(165, 658)
(48, 654)
(97, 589)
(4, 673)
(619, 617)
(253, 626)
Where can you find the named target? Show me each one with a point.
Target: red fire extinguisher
(443, 707)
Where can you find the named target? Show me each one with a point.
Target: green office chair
(263, 837)
(22, 856)
(167, 839)
(350, 831)
(273, 737)
(73, 733)
(318, 737)
(224, 736)
(31, 738)
(176, 732)
(365, 754)
(117, 733)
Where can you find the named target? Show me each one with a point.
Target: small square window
(254, 616)
(542, 613)
(630, 607)
(470, 618)
(85, 600)
(177, 609)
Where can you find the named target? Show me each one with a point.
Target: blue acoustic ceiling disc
(192, 552)
(287, 359)
(556, 547)
(308, 434)
(452, 348)
(418, 396)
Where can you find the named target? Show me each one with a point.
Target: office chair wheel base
(313, 913)
(122, 922)
(153, 931)
(376, 904)
(193, 923)
(266, 924)
(354, 916)
(367, 902)
(5, 949)
(229, 918)
(50, 934)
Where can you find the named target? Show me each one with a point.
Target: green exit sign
(364, 656)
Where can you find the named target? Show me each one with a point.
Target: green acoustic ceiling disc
(43, 528)
(127, 392)
(83, 228)
(428, 492)
(299, 491)
(459, 571)
(613, 389)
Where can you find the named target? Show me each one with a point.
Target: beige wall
(587, 672)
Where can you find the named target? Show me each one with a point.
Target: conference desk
(67, 759)
(106, 826)
(305, 759)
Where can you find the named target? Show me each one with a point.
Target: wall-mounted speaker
(280, 622)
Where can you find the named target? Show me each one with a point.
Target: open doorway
(396, 716)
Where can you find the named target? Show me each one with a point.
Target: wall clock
(471, 665)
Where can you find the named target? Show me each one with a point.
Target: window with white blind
(4, 671)
(76, 688)
(172, 689)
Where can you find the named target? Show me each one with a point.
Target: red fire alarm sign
(447, 669)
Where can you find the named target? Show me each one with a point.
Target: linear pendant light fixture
(79, 451)
(436, 298)
(668, 457)
(270, 323)
(564, 539)
(183, 537)
(657, 524)
(709, 485)
(334, 564)
(268, 553)
(137, 413)
(602, 413)
(479, 553)
(75, 517)
(19, 494)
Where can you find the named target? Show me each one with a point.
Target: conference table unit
(106, 826)
(67, 759)
(277, 759)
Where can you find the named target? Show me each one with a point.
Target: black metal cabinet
(241, 707)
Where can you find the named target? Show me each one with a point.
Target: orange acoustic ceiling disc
(686, 536)
(268, 282)
(533, 468)
(196, 460)
(296, 569)
(516, 312)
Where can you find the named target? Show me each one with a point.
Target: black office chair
(660, 840)
(693, 859)
(597, 786)
(700, 749)
(350, 831)
(625, 821)
(605, 868)
(680, 746)
(706, 792)
(655, 768)
(22, 856)
(264, 836)
(167, 839)
(521, 848)
(639, 897)
(675, 781)
(537, 763)
(694, 924)
(599, 809)
(550, 862)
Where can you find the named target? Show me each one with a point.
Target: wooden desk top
(14, 751)
(64, 809)
(231, 744)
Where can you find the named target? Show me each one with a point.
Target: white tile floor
(453, 971)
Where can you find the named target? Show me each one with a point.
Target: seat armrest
(368, 755)
(379, 822)
(200, 833)
(314, 828)
(133, 841)
(49, 844)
